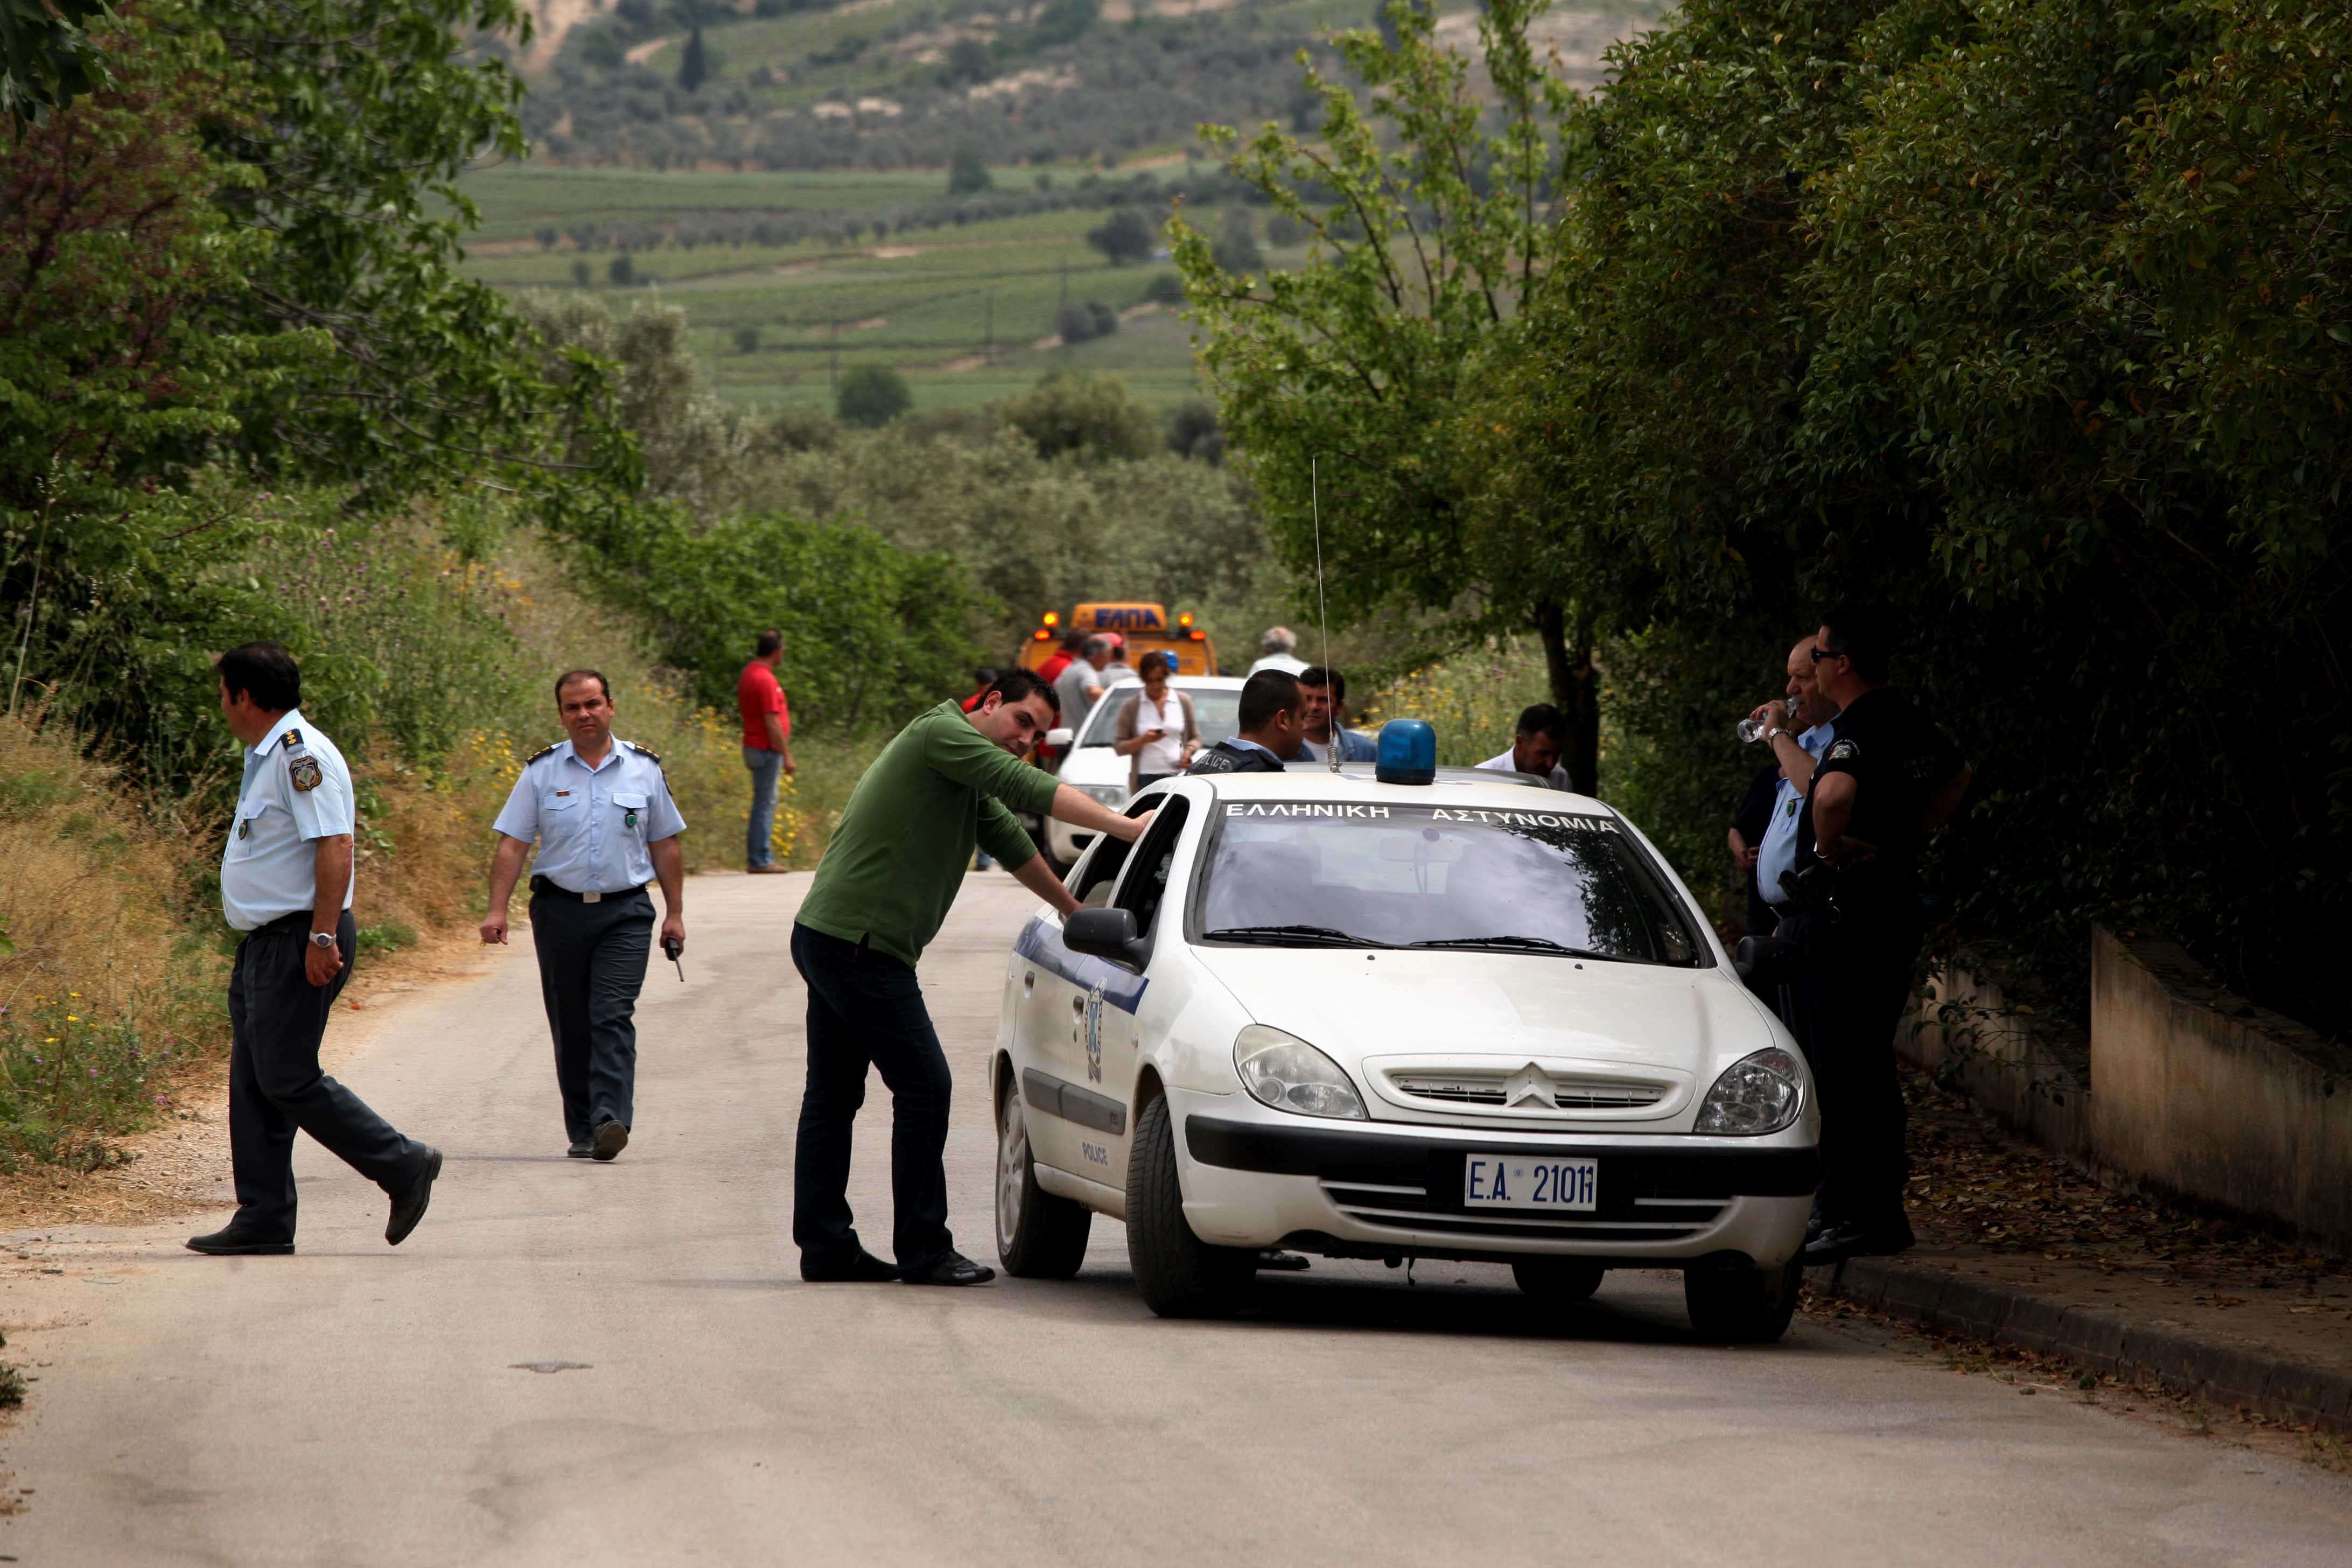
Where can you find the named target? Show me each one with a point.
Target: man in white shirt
(286, 883)
(1323, 691)
(1080, 686)
(1542, 734)
(1280, 645)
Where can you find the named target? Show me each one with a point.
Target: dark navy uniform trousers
(274, 1088)
(592, 965)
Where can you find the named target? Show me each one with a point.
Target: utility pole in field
(989, 352)
(833, 359)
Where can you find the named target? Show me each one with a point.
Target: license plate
(1519, 1182)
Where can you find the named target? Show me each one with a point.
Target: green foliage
(1126, 236)
(872, 396)
(967, 174)
(1236, 248)
(1090, 418)
(47, 57)
(694, 63)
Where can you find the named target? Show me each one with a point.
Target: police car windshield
(1218, 712)
(1541, 883)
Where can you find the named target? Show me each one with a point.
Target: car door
(1058, 986)
(1120, 1010)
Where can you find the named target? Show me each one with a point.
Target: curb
(2168, 1359)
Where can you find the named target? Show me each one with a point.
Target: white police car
(1365, 1017)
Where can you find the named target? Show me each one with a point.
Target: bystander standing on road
(881, 892)
(767, 748)
(1080, 686)
(1062, 657)
(1749, 820)
(1268, 728)
(1157, 732)
(1279, 647)
(1541, 734)
(286, 882)
(601, 811)
(1323, 697)
(1799, 728)
(1888, 778)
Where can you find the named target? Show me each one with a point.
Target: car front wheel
(1180, 1275)
(1742, 1306)
(1039, 1235)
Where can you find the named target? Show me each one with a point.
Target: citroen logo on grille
(1531, 1086)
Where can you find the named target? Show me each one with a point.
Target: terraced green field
(965, 313)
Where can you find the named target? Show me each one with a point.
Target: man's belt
(542, 885)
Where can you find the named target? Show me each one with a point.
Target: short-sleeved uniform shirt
(1897, 757)
(595, 827)
(894, 866)
(1777, 848)
(297, 790)
(759, 694)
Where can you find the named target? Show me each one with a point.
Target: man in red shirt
(1072, 641)
(767, 748)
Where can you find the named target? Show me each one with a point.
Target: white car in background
(1091, 763)
(1461, 1019)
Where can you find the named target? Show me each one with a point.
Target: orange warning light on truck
(1144, 627)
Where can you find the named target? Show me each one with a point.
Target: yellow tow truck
(1145, 627)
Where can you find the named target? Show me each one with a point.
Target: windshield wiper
(1515, 943)
(1293, 936)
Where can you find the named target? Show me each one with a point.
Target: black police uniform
(1860, 945)
(1224, 757)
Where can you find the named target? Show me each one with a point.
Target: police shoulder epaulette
(653, 757)
(542, 751)
(290, 739)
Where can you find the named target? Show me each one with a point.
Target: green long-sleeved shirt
(906, 837)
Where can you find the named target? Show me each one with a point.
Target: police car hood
(1355, 1003)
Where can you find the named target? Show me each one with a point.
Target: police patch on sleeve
(1841, 750)
(305, 772)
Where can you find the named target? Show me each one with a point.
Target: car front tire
(1557, 1282)
(1742, 1306)
(1039, 1235)
(1180, 1275)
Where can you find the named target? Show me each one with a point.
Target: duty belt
(542, 885)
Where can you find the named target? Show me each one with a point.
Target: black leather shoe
(860, 1268)
(612, 1137)
(581, 1151)
(408, 1207)
(1852, 1239)
(232, 1243)
(950, 1268)
(1816, 1223)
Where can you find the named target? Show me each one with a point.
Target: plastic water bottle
(1752, 729)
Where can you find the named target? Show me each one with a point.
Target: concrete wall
(2031, 1076)
(2200, 1093)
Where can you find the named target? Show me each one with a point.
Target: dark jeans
(864, 1007)
(277, 1018)
(1854, 990)
(592, 965)
(759, 827)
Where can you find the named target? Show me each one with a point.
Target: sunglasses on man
(1819, 653)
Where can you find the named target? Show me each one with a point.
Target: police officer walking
(1889, 779)
(602, 812)
(286, 882)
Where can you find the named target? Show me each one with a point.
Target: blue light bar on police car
(1408, 752)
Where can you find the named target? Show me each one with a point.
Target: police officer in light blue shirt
(601, 812)
(286, 882)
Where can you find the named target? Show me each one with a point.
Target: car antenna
(1314, 501)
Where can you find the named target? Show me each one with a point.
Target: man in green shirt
(881, 893)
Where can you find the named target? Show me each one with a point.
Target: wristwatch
(322, 938)
(1772, 735)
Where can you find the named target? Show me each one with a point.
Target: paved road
(358, 1405)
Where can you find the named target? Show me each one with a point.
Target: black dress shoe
(1851, 1238)
(1816, 1223)
(233, 1243)
(581, 1151)
(612, 1137)
(860, 1268)
(408, 1207)
(950, 1268)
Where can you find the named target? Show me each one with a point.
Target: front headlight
(1112, 795)
(1761, 1093)
(1286, 1072)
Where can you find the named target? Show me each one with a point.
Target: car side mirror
(1765, 961)
(1104, 933)
(1060, 736)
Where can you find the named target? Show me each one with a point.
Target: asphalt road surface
(581, 1363)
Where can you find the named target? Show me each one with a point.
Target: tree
(967, 174)
(746, 338)
(693, 64)
(1091, 417)
(1353, 369)
(1236, 248)
(1126, 236)
(872, 396)
(622, 269)
(47, 57)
